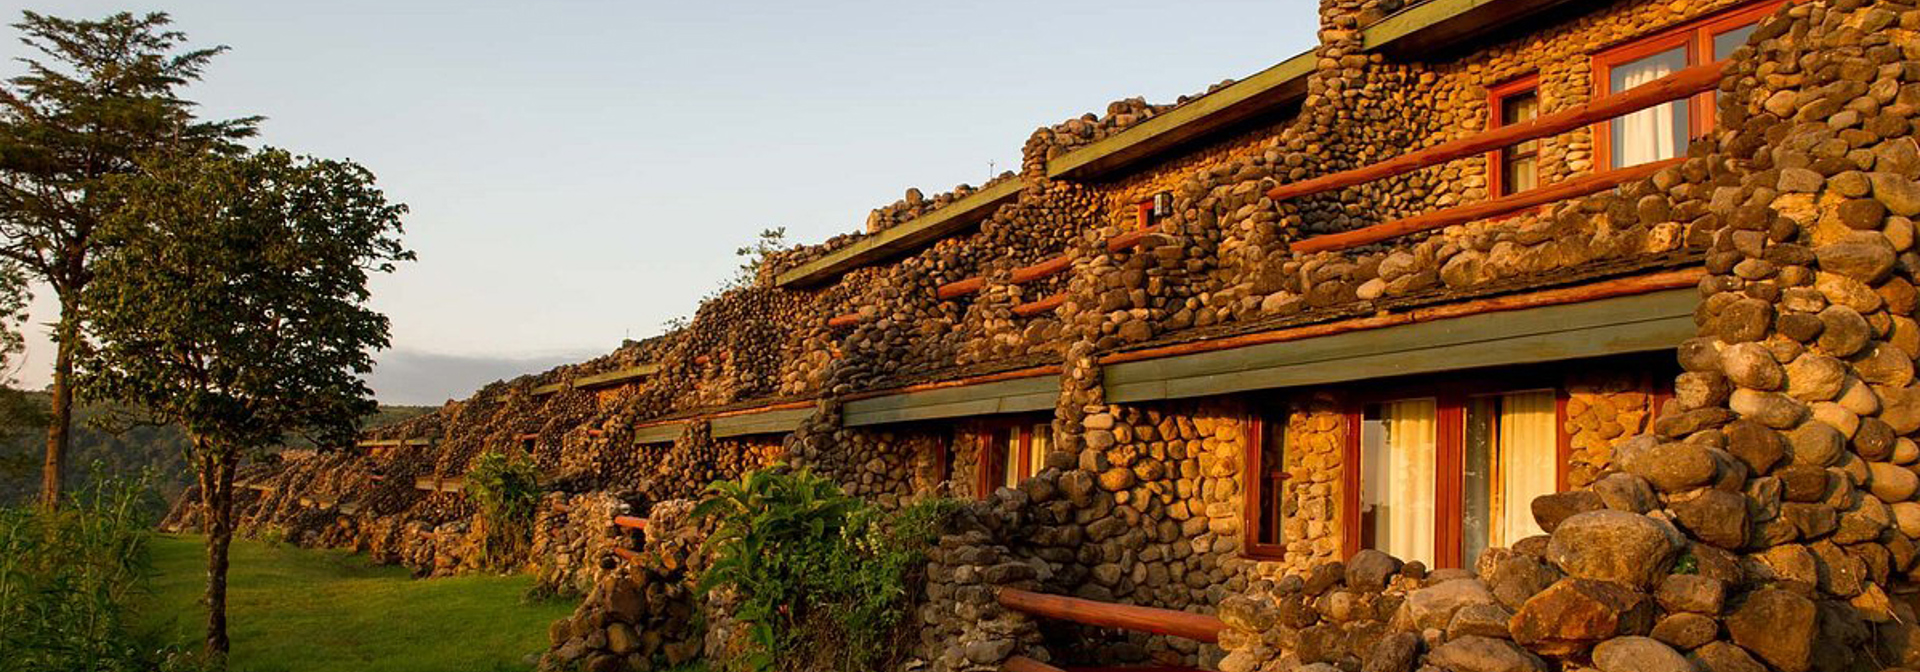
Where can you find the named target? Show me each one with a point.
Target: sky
(579, 172)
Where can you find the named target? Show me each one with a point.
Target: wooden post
(1197, 627)
(1697, 79)
(1440, 219)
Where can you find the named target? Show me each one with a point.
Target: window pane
(1042, 442)
(1397, 479)
(1725, 43)
(1655, 133)
(1273, 483)
(1517, 108)
(1512, 456)
(1522, 174)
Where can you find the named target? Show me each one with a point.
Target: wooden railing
(630, 522)
(1677, 86)
(1197, 627)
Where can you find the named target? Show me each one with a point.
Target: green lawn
(301, 610)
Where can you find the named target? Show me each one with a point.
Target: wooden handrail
(630, 522)
(1025, 664)
(1197, 627)
(846, 320)
(1033, 308)
(626, 554)
(1043, 269)
(1697, 79)
(1440, 219)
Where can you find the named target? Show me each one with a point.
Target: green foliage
(95, 98)
(823, 578)
(68, 581)
(1688, 564)
(505, 489)
(232, 298)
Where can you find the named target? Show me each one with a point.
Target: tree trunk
(216, 492)
(54, 471)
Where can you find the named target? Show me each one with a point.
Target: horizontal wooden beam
(1697, 79)
(630, 522)
(906, 236)
(626, 554)
(389, 443)
(1025, 664)
(843, 321)
(1042, 269)
(616, 377)
(549, 388)
(1197, 627)
(1440, 219)
(1045, 305)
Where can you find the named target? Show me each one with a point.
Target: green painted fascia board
(1413, 19)
(618, 376)
(1005, 396)
(373, 443)
(765, 422)
(1642, 323)
(548, 388)
(905, 237)
(1209, 112)
(666, 433)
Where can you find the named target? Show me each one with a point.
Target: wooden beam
(1440, 219)
(630, 522)
(549, 388)
(626, 554)
(616, 377)
(1197, 627)
(843, 321)
(1025, 664)
(1045, 268)
(1045, 305)
(1697, 79)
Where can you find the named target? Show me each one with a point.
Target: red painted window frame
(1257, 496)
(1496, 104)
(1697, 36)
(1451, 393)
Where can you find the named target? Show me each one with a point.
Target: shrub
(505, 490)
(68, 579)
(824, 579)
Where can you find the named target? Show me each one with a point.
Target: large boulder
(1608, 545)
(1574, 614)
(1485, 654)
(1638, 654)
(1778, 626)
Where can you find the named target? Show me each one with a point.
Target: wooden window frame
(1256, 490)
(1496, 106)
(1451, 395)
(1697, 36)
(987, 471)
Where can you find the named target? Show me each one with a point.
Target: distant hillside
(23, 446)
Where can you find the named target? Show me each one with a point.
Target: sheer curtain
(1042, 442)
(1400, 468)
(1528, 465)
(1654, 133)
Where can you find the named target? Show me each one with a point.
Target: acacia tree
(102, 94)
(230, 299)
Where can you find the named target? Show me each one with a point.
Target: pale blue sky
(580, 172)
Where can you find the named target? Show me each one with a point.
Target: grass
(301, 610)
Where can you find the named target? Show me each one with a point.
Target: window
(1445, 475)
(1662, 131)
(1266, 502)
(1515, 169)
(1012, 451)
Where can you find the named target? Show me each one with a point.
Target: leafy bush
(68, 578)
(824, 579)
(505, 490)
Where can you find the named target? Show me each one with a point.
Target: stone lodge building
(1488, 335)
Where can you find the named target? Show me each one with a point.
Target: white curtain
(1529, 462)
(1009, 448)
(1401, 471)
(1654, 133)
(1042, 442)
